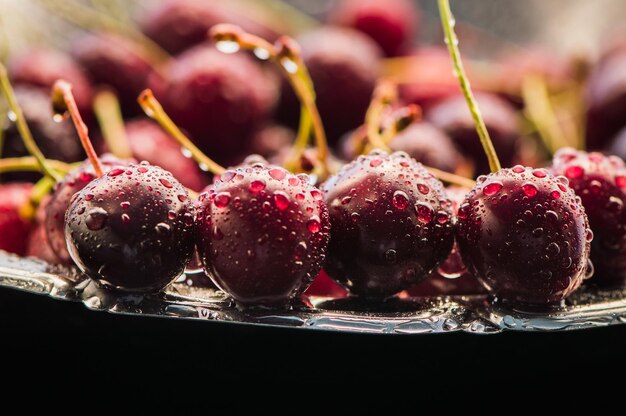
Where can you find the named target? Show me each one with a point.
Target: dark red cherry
(392, 24)
(271, 139)
(524, 234)
(177, 25)
(219, 99)
(451, 277)
(117, 62)
(324, 286)
(344, 65)
(14, 229)
(131, 229)
(56, 208)
(150, 142)
(57, 141)
(37, 242)
(263, 233)
(600, 182)
(43, 67)
(391, 224)
(605, 97)
(453, 116)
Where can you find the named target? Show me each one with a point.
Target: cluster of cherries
(378, 225)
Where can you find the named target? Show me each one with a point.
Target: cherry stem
(153, 109)
(22, 125)
(401, 120)
(286, 54)
(448, 22)
(384, 95)
(62, 103)
(31, 164)
(451, 178)
(109, 115)
(3, 126)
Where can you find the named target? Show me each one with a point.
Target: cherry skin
(391, 24)
(452, 276)
(60, 199)
(14, 229)
(57, 141)
(600, 182)
(131, 229)
(524, 234)
(391, 224)
(37, 243)
(218, 99)
(42, 67)
(344, 66)
(263, 234)
(177, 25)
(117, 62)
(453, 117)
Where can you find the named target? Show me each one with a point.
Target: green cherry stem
(109, 115)
(31, 164)
(448, 22)
(62, 103)
(153, 109)
(384, 95)
(22, 125)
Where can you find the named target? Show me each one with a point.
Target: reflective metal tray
(587, 308)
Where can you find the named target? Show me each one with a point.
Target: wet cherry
(524, 234)
(600, 182)
(132, 228)
(263, 233)
(14, 229)
(56, 208)
(391, 224)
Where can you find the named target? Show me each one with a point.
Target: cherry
(524, 234)
(131, 229)
(117, 62)
(452, 116)
(262, 233)
(60, 199)
(58, 141)
(618, 145)
(270, 140)
(37, 242)
(391, 224)
(177, 25)
(149, 142)
(605, 97)
(600, 182)
(344, 65)
(391, 24)
(14, 229)
(451, 277)
(219, 99)
(42, 67)
(324, 286)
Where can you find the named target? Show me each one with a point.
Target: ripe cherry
(391, 224)
(14, 229)
(132, 228)
(262, 233)
(524, 234)
(600, 182)
(391, 24)
(60, 199)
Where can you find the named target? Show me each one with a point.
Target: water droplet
(96, 219)
(289, 65)
(589, 235)
(162, 228)
(355, 216)
(222, 199)
(125, 218)
(492, 188)
(317, 195)
(293, 181)
(529, 189)
(518, 169)
(227, 176)
(227, 46)
(574, 171)
(391, 256)
(89, 197)
(281, 200)
(400, 200)
(142, 169)
(553, 250)
(375, 162)
(537, 232)
(278, 174)
(256, 186)
(182, 197)
(115, 172)
(425, 213)
(125, 204)
(540, 173)
(443, 217)
(555, 194)
(13, 117)
(261, 53)
(171, 215)
(166, 183)
(424, 189)
(314, 225)
(346, 200)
